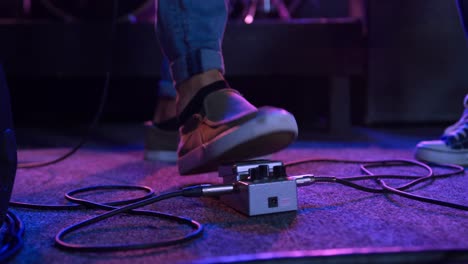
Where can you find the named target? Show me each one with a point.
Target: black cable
(103, 100)
(348, 181)
(422, 198)
(16, 228)
(84, 138)
(202, 190)
(13, 243)
(12, 240)
(130, 206)
(358, 187)
(79, 206)
(403, 162)
(431, 176)
(197, 227)
(399, 191)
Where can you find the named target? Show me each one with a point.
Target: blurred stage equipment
(144, 11)
(281, 9)
(267, 7)
(97, 10)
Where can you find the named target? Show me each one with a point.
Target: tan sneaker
(229, 128)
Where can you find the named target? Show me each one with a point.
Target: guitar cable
(131, 206)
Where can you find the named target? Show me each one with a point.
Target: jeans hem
(196, 62)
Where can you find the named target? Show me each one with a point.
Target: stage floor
(334, 223)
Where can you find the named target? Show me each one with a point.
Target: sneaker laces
(458, 138)
(455, 128)
(456, 135)
(459, 124)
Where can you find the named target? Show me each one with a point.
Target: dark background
(416, 69)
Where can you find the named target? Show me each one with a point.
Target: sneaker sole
(442, 157)
(269, 132)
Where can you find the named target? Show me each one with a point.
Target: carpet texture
(334, 223)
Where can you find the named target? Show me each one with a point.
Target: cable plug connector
(308, 179)
(207, 190)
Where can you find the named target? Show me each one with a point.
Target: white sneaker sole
(270, 131)
(459, 157)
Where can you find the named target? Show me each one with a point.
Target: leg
(216, 123)
(191, 61)
(161, 135)
(181, 44)
(166, 102)
(452, 148)
(191, 32)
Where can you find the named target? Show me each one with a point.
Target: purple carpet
(334, 223)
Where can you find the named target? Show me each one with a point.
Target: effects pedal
(260, 187)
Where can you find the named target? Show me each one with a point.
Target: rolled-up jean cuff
(166, 89)
(196, 62)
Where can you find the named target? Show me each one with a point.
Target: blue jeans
(166, 87)
(190, 33)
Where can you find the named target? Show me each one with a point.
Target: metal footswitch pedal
(261, 187)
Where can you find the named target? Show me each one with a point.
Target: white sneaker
(461, 122)
(452, 148)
